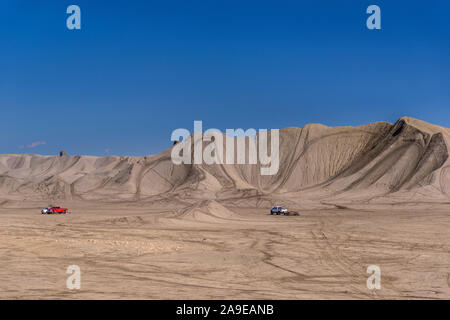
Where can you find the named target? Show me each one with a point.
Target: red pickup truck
(51, 210)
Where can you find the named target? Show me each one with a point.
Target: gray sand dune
(371, 160)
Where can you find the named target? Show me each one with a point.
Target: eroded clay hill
(375, 159)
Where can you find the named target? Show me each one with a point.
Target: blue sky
(137, 70)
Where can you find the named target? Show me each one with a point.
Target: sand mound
(374, 159)
(208, 211)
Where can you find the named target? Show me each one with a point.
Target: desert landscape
(145, 228)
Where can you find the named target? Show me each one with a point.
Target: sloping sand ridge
(375, 159)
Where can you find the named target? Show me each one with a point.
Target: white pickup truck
(283, 211)
(278, 210)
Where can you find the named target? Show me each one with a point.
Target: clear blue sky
(139, 69)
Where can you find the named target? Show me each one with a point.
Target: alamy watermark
(374, 281)
(240, 147)
(374, 20)
(74, 20)
(73, 282)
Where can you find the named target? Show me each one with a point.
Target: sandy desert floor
(208, 251)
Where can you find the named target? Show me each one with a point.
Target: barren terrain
(146, 228)
(212, 252)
